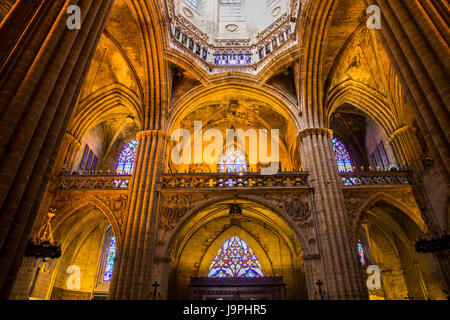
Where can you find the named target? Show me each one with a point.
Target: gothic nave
(135, 138)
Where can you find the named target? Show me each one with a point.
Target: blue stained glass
(125, 164)
(361, 253)
(110, 260)
(342, 156)
(235, 259)
(233, 161)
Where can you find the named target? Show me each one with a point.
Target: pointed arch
(364, 99)
(102, 105)
(96, 203)
(412, 213)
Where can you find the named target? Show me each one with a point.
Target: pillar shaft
(414, 36)
(133, 278)
(342, 275)
(41, 77)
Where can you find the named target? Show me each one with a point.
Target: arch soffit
(95, 203)
(200, 97)
(183, 229)
(366, 100)
(100, 105)
(411, 213)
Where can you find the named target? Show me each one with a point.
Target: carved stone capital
(73, 140)
(314, 131)
(397, 132)
(152, 133)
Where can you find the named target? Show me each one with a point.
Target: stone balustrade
(247, 180)
(376, 178)
(94, 182)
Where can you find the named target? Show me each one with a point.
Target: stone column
(414, 36)
(133, 278)
(43, 65)
(68, 151)
(342, 278)
(405, 146)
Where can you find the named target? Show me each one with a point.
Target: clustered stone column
(43, 66)
(414, 36)
(132, 274)
(68, 151)
(342, 277)
(404, 144)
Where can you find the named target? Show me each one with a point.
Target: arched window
(126, 159)
(235, 259)
(110, 260)
(342, 156)
(362, 257)
(233, 161)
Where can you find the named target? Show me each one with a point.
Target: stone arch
(199, 97)
(194, 241)
(81, 233)
(410, 212)
(101, 105)
(198, 207)
(392, 227)
(364, 99)
(98, 204)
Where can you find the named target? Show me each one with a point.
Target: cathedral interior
(95, 204)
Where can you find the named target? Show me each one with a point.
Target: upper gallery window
(126, 159)
(89, 160)
(233, 161)
(342, 156)
(110, 260)
(235, 259)
(379, 157)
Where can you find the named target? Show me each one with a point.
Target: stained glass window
(361, 253)
(126, 159)
(342, 156)
(233, 161)
(110, 260)
(235, 259)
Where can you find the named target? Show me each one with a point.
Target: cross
(319, 283)
(155, 286)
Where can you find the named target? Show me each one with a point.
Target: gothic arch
(366, 100)
(96, 203)
(408, 210)
(200, 96)
(189, 251)
(202, 205)
(101, 105)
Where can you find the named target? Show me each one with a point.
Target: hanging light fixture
(43, 244)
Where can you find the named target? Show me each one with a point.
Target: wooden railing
(94, 182)
(376, 178)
